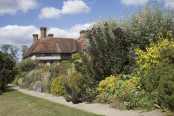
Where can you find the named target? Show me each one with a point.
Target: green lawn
(15, 103)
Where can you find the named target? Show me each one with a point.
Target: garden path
(96, 108)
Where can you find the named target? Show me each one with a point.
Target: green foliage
(108, 47)
(24, 49)
(11, 50)
(75, 57)
(20, 81)
(143, 24)
(158, 79)
(71, 70)
(7, 70)
(35, 85)
(105, 98)
(131, 84)
(45, 79)
(73, 79)
(149, 59)
(165, 71)
(105, 85)
(27, 65)
(57, 87)
(63, 66)
(16, 80)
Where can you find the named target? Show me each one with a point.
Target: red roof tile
(53, 45)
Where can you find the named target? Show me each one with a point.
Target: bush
(27, 65)
(131, 84)
(151, 58)
(73, 79)
(165, 73)
(71, 70)
(63, 66)
(157, 79)
(16, 80)
(75, 58)
(57, 87)
(105, 85)
(36, 85)
(45, 78)
(7, 70)
(108, 46)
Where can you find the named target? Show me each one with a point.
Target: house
(52, 50)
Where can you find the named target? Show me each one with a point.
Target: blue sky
(63, 18)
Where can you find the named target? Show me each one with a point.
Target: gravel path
(94, 108)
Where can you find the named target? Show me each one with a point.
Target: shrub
(63, 66)
(36, 85)
(151, 58)
(73, 79)
(45, 78)
(105, 85)
(20, 81)
(75, 58)
(108, 46)
(71, 70)
(16, 80)
(131, 84)
(143, 24)
(157, 80)
(27, 65)
(57, 87)
(7, 70)
(164, 72)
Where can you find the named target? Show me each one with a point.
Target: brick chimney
(35, 37)
(43, 32)
(82, 33)
(50, 35)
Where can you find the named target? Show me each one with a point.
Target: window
(47, 54)
(38, 55)
(83, 50)
(65, 55)
(51, 62)
(44, 62)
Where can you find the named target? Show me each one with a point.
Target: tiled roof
(52, 45)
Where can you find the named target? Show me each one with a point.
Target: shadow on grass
(7, 89)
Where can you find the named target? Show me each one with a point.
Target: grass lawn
(15, 103)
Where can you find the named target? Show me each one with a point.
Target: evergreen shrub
(57, 87)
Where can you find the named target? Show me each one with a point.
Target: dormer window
(47, 54)
(83, 50)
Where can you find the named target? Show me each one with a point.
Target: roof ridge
(57, 46)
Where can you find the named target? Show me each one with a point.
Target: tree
(142, 25)
(11, 50)
(7, 69)
(24, 49)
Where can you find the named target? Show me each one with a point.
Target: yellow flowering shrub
(57, 87)
(131, 84)
(152, 56)
(105, 85)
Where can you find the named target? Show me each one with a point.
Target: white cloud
(69, 7)
(12, 6)
(23, 35)
(134, 2)
(49, 12)
(17, 35)
(73, 32)
(74, 7)
(169, 2)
